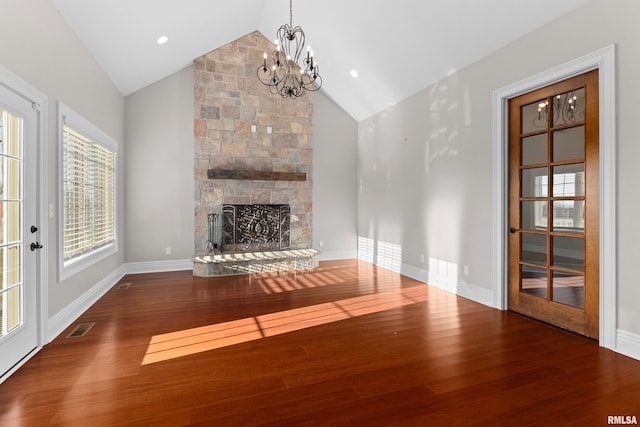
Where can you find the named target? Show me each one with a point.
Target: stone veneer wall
(228, 100)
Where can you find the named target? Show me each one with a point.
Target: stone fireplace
(252, 148)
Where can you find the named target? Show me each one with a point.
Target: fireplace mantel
(256, 175)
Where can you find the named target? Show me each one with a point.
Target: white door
(18, 258)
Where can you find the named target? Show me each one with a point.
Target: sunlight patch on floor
(205, 338)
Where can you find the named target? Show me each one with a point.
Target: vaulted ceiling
(398, 47)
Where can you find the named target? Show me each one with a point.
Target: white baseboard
(628, 343)
(476, 293)
(158, 266)
(415, 273)
(61, 320)
(337, 255)
(467, 290)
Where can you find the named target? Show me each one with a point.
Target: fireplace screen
(248, 228)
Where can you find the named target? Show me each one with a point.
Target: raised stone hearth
(254, 262)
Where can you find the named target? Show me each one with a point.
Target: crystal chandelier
(286, 76)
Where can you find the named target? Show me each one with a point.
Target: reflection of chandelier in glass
(565, 110)
(286, 76)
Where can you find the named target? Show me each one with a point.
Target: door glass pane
(534, 281)
(535, 182)
(534, 248)
(11, 281)
(14, 222)
(13, 179)
(568, 180)
(534, 116)
(568, 144)
(534, 149)
(568, 288)
(568, 107)
(11, 303)
(10, 289)
(3, 184)
(534, 215)
(568, 252)
(568, 216)
(11, 270)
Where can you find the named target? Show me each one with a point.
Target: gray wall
(425, 164)
(334, 180)
(39, 48)
(159, 170)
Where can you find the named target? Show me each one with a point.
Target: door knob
(35, 246)
(512, 230)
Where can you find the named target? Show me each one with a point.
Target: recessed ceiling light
(354, 74)
(162, 39)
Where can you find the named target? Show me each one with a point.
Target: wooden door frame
(604, 61)
(40, 104)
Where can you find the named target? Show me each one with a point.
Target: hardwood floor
(345, 344)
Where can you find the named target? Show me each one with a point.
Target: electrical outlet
(167, 250)
(465, 270)
(421, 258)
(321, 243)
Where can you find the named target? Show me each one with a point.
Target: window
(87, 193)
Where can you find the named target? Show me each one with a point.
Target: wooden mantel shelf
(256, 175)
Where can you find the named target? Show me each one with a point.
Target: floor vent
(81, 330)
(125, 285)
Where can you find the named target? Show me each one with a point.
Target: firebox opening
(256, 227)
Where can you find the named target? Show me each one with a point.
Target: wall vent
(81, 330)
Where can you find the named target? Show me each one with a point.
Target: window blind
(88, 194)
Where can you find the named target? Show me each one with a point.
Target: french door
(18, 198)
(553, 243)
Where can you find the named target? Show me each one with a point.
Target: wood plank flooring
(347, 344)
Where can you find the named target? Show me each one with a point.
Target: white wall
(425, 164)
(159, 170)
(39, 48)
(334, 180)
